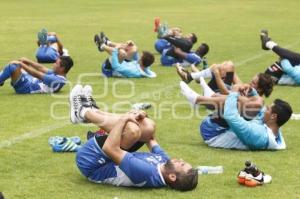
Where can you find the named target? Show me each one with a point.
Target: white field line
(32, 134)
(43, 130)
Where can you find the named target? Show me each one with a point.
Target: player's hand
(15, 62)
(131, 117)
(52, 34)
(24, 60)
(139, 114)
(177, 50)
(130, 43)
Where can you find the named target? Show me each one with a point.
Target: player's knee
(13, 67)
(148, 129)
(133, 131)
(229, 65)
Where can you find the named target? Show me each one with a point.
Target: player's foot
(99, 42)
(76, 104)
(183, 74)
(42, 36)
(264, 37)
(251, 176)
(88, 92)
(190, 95)
(156, 24)
(104, 38)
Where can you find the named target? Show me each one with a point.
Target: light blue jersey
(292, 73)
(128, 68)
(242, 134)
(137, 169)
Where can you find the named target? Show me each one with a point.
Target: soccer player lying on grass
(262, 132)
(285, 71)
(124, 61)
(30, 77)
(50, 47)
(176, 48)
(184, 58)
(107, 161)
(223, 76)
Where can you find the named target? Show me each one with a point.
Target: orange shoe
(251, 176)
(251, 181)
(156, 24)
(241, 177)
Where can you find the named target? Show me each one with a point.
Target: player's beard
(169, 166)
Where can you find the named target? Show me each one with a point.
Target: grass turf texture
(29, 169)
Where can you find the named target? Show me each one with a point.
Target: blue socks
(7, 72)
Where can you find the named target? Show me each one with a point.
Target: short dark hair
(265, 84)
(202, 50)
(147, 58)
(194, 38)
(283, 111)
(66, 62)
(185, 181)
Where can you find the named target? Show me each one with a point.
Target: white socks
(206, 73)
(208, 92)
(188, 93)
(108, 42)
(270, 44)
(83, 112)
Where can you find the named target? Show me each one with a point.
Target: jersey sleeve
(158, 150)
(192, 58)
(52, 80)
(251, 134)
(293, 72)
(121, 68)
(137, 170)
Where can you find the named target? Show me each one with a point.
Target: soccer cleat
(75, 104)
(99, 42)
(141, 106)
(104, 38)
(183, 74)
(55, 140)
(253, 181)
(88, 91)
(66, 145)
(264, 37)
(42, 36)
(156, 24)
(251, 176)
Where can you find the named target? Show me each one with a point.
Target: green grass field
(28, 167)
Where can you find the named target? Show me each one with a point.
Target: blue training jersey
(291, 71)
(139, 169)
(128, 68)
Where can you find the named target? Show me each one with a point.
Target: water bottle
(210, 170)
